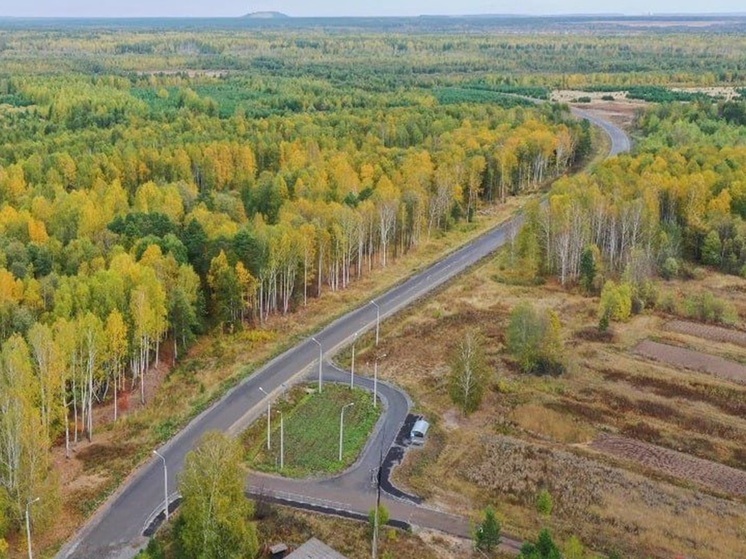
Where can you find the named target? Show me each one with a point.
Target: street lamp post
(342, 427)
(375, 533)
(375, 381)
(321, 359)
(378, 319)
(28, 526)
(165, 482)
(282, 440)
(269, 412)
(352, 365)
(375, 384)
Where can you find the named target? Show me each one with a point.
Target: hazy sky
(135, 8)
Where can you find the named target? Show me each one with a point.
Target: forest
(677, 202)
(139, 211)
(161, 185)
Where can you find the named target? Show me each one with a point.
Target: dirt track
(693, 360)
(708, 332)
(709, 474)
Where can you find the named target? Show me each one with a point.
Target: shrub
(704, 306)
(154, 550)
(574, 549)
(668, 303)
(383, 517)
(670, 268)
(616, 301)
(534, 338)
(544, 503)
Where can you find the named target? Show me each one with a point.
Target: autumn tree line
(124, 230)
(678, 201)
(386, 55)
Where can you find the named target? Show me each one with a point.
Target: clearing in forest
(693, 360)
(723, 479)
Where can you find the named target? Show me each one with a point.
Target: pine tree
(587, 268)
(487, 535)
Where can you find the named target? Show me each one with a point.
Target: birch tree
(468, 372)
(215, 511)
(25, 465)
(117, 348)
(48, 365)
(387, 204)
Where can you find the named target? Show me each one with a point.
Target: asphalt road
(358, 478)
(620, 142)
(353, 493)
(115, 530)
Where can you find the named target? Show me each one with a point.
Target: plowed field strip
(708, 332)
(694, 360)
(709, 474)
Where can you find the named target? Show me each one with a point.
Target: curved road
(353, 493)
(114, 532)
(620, 142)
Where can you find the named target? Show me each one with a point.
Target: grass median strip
(311, 431)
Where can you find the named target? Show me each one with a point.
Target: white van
(417, 435)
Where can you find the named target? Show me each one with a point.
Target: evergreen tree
(712, 248)
(543, 548)
(487, 536)
(588, 268)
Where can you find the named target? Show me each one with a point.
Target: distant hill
(266, 15)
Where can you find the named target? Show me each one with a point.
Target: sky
(301, 8)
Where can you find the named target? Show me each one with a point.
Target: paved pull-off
(115, 531)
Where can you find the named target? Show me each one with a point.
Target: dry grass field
(639, 456)
(352, 538)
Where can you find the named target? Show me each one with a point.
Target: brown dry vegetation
(277, 524)
(352, 538)
(681, 357)
(535, 433)
(725, 480)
